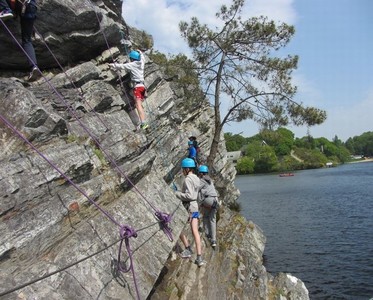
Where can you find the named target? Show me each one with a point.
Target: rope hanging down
(45, 276)
(111, 218)
(71, 110)
(126, 232)
(164, 218)
(69, 78)
(123, 88)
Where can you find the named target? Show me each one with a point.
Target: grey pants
(209, 222)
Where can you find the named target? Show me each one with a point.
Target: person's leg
(197, 238)
(143, 124)
(194, 225)
(27, 28)
(206, 222)
(139, 96)
(212, 223)
(187, 252)
(184, 240)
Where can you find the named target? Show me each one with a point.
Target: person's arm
(188, 195)
(127, 66)
(142, 60)
(201, 191)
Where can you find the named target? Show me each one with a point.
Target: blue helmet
(203, 169)
(190, 143)
(135, 55)
(188, 163)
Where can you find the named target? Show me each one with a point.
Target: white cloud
(278, 10)
(161, 18)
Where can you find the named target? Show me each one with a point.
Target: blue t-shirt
(192, 152)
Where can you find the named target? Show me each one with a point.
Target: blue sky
(333, 40)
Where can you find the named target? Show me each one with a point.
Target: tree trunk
(214, 145)
(218, 125)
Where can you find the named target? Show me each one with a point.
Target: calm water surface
(319, 227)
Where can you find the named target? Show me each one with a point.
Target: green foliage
(344, 154)
(234, 142)
(281, 139)
(326, 147)
(267, 160)
(100, 156)
(71, 138)
(312, 159)
(261, 155)
(307, 142)
(271, 151)
(289, 163)
(245, 165)
(145, 42)
(253, 149)
(237, 63)
(335, 151)
(361, 145)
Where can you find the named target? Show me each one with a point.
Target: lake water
(319, 227)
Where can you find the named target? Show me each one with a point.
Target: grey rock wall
(46, 224)
(56, 243)
(73, 30)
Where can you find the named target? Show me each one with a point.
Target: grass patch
(100, 155)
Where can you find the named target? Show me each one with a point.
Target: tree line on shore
(279, 151)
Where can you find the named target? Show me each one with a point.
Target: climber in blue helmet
(189, 196)
(208, 203)
(192, 152)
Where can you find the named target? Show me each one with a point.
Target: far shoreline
(361, 161)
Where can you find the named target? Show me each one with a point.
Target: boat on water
(286, 174)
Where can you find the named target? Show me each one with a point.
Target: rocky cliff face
(88, 180)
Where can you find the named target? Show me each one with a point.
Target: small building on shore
(234, 156)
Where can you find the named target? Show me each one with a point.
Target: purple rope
(165, 220)
(72, 112)
(63, 70)
(20, 135)
(111, 55)
(126, 232)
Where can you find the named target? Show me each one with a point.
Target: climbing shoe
(199, 262)
(144, 125)
(186, 254)
(6, 14)
(213, 244)
(34, 74)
